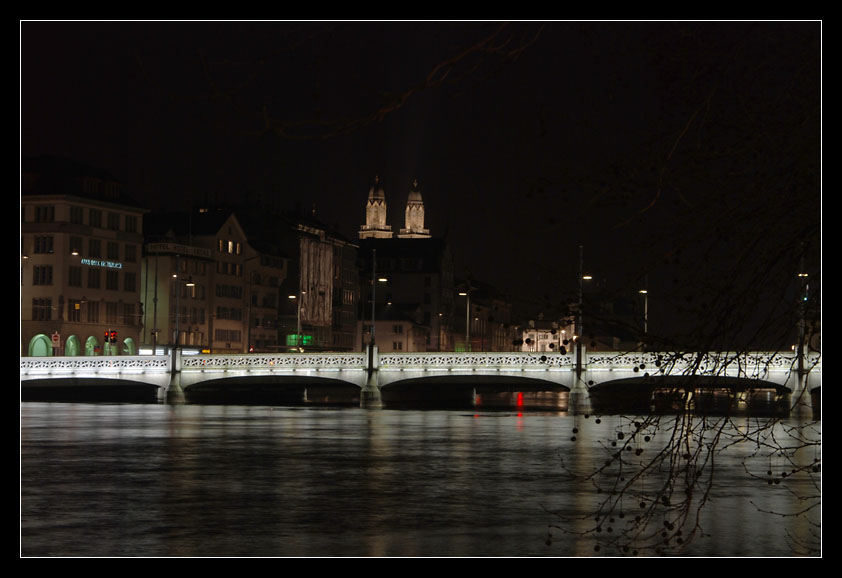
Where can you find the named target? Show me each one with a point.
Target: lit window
(74, 310)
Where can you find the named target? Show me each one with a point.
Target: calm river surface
(101, 479)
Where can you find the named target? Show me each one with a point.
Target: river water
(135, 479)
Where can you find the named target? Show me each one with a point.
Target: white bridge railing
(742, 364)
(115, 364)
(277, 361)
(490, 359)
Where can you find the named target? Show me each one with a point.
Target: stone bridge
(602, 375)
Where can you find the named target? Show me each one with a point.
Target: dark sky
(644, 142)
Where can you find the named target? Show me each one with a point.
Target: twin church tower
(375, 215)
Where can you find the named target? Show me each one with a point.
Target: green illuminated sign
(296, 340)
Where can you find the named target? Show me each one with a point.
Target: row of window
(230, 291)
(191, 315)
(189, 291)
(43, 275)
(233, 269)
(269, 301)
(268, 280)
(265, 322)
(44, 244)
(232, 313)
(227, 335)
(87, 311)
(96, 218)
(230, 247)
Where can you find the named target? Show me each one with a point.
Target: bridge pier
(370, 395)
(579, 398)
(174, 392)
(802, 401)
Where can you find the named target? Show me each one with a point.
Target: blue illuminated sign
(100, 263)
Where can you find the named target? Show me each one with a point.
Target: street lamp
(467, 294)
(374, 281)
(802, 316)
(298, 317)
(578, 333)
(645, 293)
(187, 283)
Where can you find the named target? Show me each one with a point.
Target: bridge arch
(276, 388)
(88, 389)
(475, 389)
(714, 393)
(494, 382)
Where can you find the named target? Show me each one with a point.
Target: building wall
(80, 272)
(398, 336)
(265, 274)
(176, 279)
(548, 336)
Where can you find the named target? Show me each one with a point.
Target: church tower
(414, 216)
(375, 214)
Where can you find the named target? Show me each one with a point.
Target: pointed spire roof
(415, 193)
(376, 191)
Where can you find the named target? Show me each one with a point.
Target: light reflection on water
(211, 480)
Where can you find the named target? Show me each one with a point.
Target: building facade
(207, 289)
(396, 330)
(486, 312)
(81, 241)
(546, 336)
(321, 291)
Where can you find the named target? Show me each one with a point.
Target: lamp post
(298, 298)
(178, 283)
(467, 293)
(177, 299)
(802, 317)
(645, 293)
(579, 323)
(373, 297)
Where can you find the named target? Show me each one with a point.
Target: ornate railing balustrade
(750, 365)
(371, 373)
(275, 361)
(475, 360)
(116, 364)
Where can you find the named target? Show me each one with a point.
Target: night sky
(682, 151)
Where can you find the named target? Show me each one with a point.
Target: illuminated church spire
(414, 228)
(375, 214)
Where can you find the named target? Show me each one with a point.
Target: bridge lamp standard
(179, 281)
(298, 317)
(374, 280)
(645, 293)
(578, 329)
(467, 317)
(802, 318)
